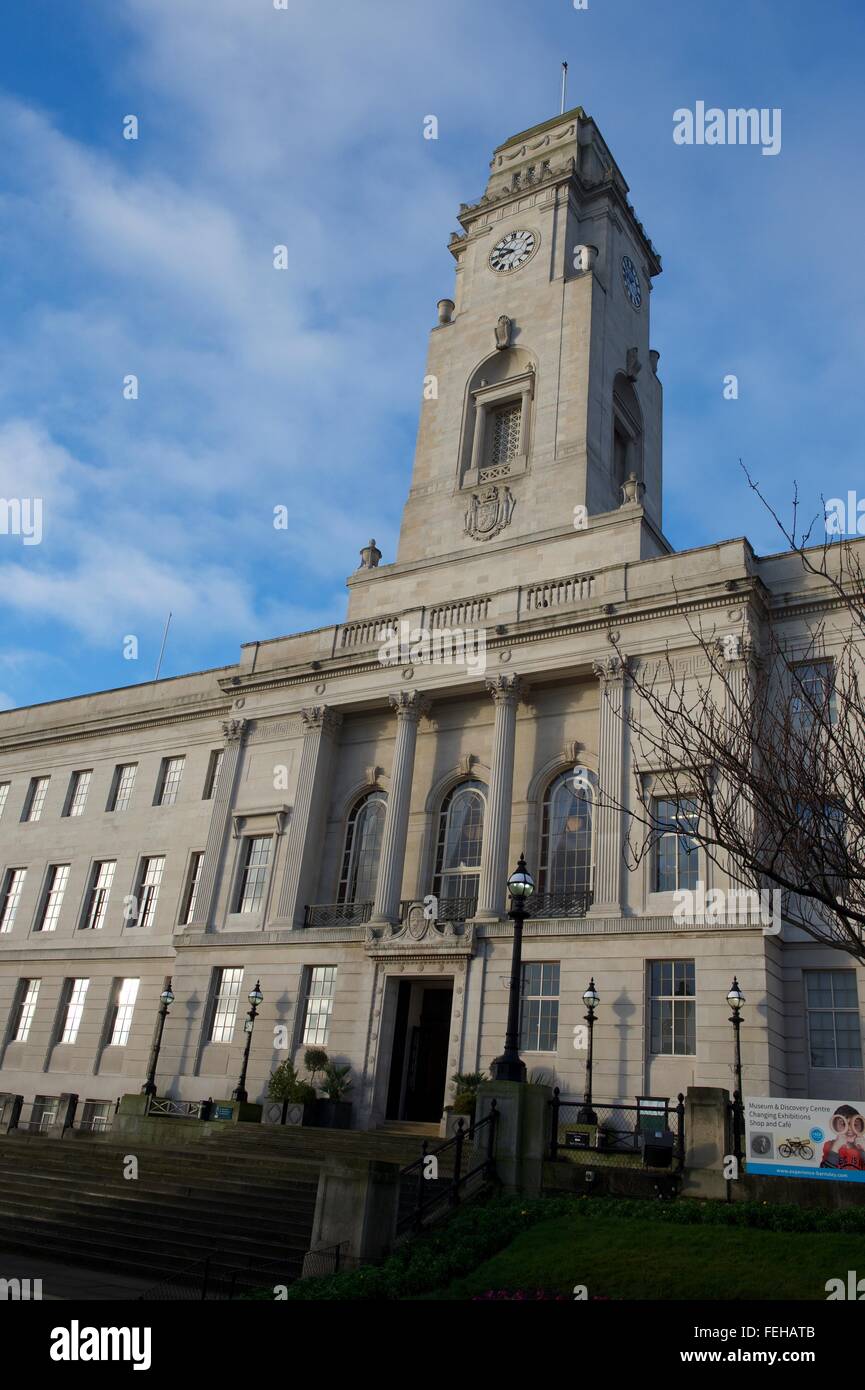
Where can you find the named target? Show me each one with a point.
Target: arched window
(566, 835)
(362, 849)
(458, 851)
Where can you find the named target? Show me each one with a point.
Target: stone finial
(632, 490)
(369, 557)
(633, 365)
(585, 258)
(503, 332)
(445, 311)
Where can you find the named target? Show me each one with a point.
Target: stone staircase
(245, 1199)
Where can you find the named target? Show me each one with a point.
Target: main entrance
(418, 1070)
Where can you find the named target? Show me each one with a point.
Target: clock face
(632, 282)
(513, 250)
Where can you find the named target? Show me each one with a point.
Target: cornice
(106, 728)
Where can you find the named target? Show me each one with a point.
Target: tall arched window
(566, 836)
(458, 851)
(362, 849)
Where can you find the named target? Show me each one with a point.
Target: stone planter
(331, 1114)
(287, 1112)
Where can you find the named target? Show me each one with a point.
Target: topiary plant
(315, 1059)
(282, 1082)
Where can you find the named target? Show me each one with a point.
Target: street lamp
(510, 1066)
(255, 997)
(166, 999)
(735, 998)
(591, 999)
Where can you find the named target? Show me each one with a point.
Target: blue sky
(304, 127)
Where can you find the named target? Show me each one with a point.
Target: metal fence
(214, 1278)
(650, 1133)
(445, 1175)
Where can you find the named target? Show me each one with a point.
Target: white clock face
(632, 282)
(513, 250)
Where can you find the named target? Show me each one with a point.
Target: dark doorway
(420, 1052)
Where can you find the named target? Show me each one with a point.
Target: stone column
(506, 691)
(607, 829)
(303, 847)
(409, 706)
(233, 731)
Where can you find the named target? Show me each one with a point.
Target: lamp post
(255, 997)
(166, 999)
(510, 1066)
(591, 999)
(735, 998)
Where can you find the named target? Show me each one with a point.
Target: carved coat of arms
(489, 512)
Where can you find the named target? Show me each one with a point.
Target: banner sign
(790, 1138)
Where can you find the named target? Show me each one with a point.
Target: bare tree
(757, 758)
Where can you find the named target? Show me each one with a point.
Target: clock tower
(540, 431)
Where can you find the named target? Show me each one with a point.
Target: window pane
(320, 989)
(225, 1004)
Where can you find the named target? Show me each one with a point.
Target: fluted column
(303, 841)
(233, 731)
(506, 691)
(410, 705)
(608, 833)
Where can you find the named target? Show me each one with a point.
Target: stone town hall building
(275, 819)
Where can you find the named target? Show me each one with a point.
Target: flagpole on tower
(564, 85)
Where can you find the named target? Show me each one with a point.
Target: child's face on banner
(850, 1127)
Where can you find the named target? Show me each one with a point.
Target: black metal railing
(221, 1277)
(445, 1175)
(447, 909)
(178, 1109)
(329, 1260)
(336, 914)
(558, 905)
(652, 1132)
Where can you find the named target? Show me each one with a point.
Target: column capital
(233, 729)
(506, 689)
(323, 717)
(610, 669)
(410, 705)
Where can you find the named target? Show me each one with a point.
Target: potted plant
(334, 1111)
(465, 1084)
(315, 1059)
(289, 1101)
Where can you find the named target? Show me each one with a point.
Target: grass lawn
(648, 1259)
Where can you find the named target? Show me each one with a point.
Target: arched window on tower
(566, 841)
(360, 857)
(627, 434)
(458, 850)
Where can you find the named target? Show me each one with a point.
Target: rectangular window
(253, 874)
(228, 984)
(96, 907)
(147, 891)
(96, 1116)
(79, 785)
(169, 781)
(677, 857)
(318, 1005)
(44, 1112)
(74, 1010)
(193, 878)
(673, 1008)
(125, 995)
(10, 897)
(214, 767)
(55, 887)
(539, 1007)
(503, 435)
(35, 800)
(813, 693)
(4, 794)
(28, 994)
(121, 786)
(833, 1018)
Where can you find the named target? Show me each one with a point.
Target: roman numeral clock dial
(514, 250)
